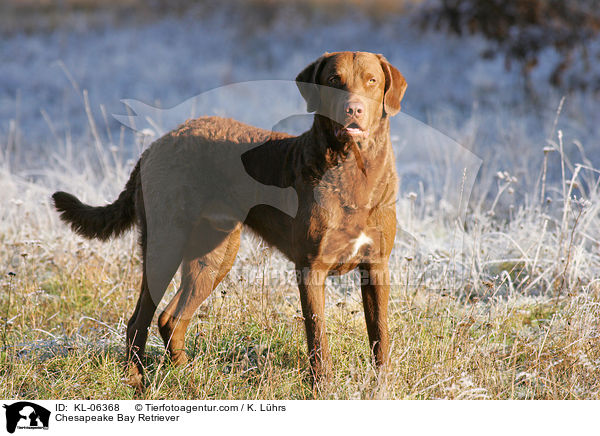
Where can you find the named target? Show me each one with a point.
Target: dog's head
(355, 91)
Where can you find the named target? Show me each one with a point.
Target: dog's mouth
(352, 130)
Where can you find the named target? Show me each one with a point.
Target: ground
(499, 302)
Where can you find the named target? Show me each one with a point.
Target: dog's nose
(354, 109)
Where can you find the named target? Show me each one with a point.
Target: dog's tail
(100, 222)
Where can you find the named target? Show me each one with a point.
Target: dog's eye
(371, 81)
(333, 80)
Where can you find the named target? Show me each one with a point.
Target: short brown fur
(351, 224)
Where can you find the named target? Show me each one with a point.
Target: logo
(26, 415)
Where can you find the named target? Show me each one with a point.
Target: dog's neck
(309, 156)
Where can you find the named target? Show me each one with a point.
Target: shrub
(522, 29)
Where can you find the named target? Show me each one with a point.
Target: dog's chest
(339, 227)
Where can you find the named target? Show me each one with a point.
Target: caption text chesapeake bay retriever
(326, 199)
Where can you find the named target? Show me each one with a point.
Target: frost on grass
(496, 298)
(496, 305)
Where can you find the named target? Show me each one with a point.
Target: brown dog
(342, 214)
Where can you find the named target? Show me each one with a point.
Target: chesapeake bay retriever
(325, 199)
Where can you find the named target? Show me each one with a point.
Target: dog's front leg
(311, 282)
(375, 286)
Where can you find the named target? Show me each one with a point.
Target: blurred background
(489, 74)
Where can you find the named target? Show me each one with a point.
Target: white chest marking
(360, 242)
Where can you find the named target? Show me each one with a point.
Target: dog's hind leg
(199, 277)
(159, 267)
(137, 334)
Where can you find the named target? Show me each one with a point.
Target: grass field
(504, 304)
(512, 312)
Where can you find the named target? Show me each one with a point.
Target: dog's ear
(395, 86)
(308, 81)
